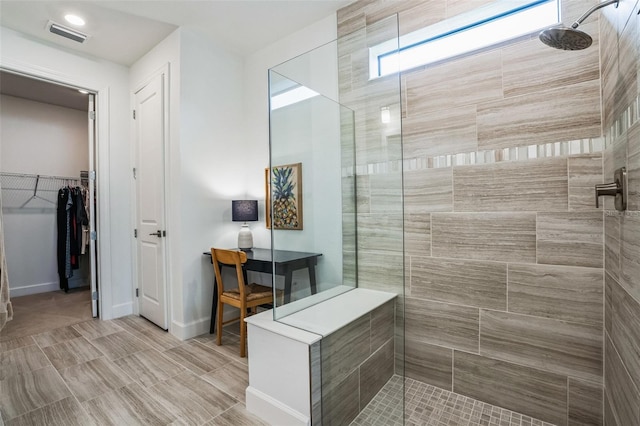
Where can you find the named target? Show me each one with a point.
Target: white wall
(37, 138)
(206, 166)
(110, 81)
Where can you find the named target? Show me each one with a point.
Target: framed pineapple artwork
(286, 184)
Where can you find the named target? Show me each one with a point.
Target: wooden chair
(243, 297)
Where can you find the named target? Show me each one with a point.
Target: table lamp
(244, 211)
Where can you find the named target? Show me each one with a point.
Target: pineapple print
(285, 213)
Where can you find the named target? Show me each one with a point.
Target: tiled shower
(519, 292)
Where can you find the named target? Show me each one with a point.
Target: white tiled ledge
(523, 153)
(311, 324)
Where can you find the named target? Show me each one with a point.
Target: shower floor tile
(429, 405)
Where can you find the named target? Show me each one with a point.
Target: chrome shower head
(571, 38)
(565, 38)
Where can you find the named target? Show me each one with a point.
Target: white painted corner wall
(23, 54)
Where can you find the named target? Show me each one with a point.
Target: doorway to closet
(47, 157)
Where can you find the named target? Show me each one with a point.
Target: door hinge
(135, 175)
(94, 295)
(94, 236)
(92, 115)
(135, 233)
(134, 114)
(164, 233)
(92, 175)
(137, 293)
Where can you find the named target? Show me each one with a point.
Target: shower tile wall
(620, 33)
(504, 260)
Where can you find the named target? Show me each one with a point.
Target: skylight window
(496, 23)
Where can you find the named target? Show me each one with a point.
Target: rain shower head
(571, 38)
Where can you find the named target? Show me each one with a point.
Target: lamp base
(245, 238)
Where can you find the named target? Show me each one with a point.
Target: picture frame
(286, 181)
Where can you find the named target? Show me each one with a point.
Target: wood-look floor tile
(233, 379)
(148, 332)
(93, 378)
(17, 361)
(196, 357)
(72, 352)
(236, 416)
(148, 367)
(191, 398)
(29, 391)
(16, 343)
(66, 412)
(119, 344)
(230, 345)
(58, 335)
(96, 328)
(129, 405)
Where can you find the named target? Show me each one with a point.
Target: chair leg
(219, 323)
(243, 332)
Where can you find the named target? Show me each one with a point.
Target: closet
(45, 149)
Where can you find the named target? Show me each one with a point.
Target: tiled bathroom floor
(432, 406)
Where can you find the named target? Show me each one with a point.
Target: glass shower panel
(311, 205)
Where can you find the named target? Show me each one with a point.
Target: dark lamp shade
(244, 210)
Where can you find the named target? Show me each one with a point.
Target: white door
(149, 116)
(91, 207)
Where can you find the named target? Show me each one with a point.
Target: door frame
(164, 72)
(101, 182)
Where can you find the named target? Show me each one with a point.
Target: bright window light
(292, 96)
(496, 23)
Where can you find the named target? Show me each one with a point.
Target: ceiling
(122, 31)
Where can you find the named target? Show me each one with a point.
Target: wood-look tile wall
(504, 262)
(355, 362)
(620, 68)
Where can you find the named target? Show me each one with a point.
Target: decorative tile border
(628, 118)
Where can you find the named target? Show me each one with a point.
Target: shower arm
(593, 9)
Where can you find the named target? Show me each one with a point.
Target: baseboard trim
(33, 289)
(273, 411)
(121, 310)
(192, 329)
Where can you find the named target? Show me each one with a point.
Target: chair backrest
(231, 258)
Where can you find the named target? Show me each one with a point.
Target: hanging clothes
(71, 217)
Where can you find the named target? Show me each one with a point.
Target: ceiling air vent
(69, 33)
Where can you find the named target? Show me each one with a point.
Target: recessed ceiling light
(84, 92)
(74, 20)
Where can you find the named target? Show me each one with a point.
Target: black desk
(286, 262)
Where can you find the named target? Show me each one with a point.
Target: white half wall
(110, 81)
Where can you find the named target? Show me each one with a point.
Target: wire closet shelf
(33, 191)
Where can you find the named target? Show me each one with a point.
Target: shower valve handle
(617, 189)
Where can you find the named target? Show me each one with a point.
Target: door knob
(157, 234)
(617, 189)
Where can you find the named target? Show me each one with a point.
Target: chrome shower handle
(617, 189)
